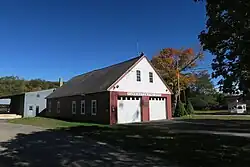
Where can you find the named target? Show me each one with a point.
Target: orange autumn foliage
(169, 60)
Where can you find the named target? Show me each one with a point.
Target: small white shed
(237, 108)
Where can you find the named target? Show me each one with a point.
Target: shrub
(180, 110)
(190, 109)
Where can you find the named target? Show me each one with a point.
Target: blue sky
(49, 39)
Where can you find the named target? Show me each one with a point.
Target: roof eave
(170, 90)
(122, 76)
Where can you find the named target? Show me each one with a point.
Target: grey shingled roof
(93, 81)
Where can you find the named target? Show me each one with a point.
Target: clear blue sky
(49, 39)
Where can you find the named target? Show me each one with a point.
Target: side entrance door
(31, 110)
(37, 110)
(128, 109)
(157, 108)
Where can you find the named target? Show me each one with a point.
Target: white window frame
(83, 108)
(92, 106)
(58, 107)
(31, 108)
(50, 106)
(138, 75)
(72, 107)
(151, 77)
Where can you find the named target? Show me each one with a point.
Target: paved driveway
(9, 131)
(30, 146)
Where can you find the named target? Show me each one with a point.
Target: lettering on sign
(142, 94)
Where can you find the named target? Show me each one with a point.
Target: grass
(218, 117)
(216, 114)
(185, 149)
(50, 123)
(210, 112)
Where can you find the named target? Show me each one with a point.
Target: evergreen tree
(180, 110)
(190, 109)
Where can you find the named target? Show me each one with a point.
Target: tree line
(10, 85)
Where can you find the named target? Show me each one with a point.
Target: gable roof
(156, 71)
(94, 81)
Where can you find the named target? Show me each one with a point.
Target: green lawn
(217, 114)
(49, 123)
(211, 112)
(219, 117)
(185, 149)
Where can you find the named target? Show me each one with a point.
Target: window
(73, 107)
(239, 107)
(138, 75)
(50, 106)
(58, 107)
(31, 108)
(83, 107)
(93, 107)
(151, 77)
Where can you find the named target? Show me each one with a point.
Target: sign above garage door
(143, 94)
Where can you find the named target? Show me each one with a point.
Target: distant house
(131, 91)
(236, 104)
(29, 104)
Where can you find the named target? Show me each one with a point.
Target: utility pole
(178, 79)
(137, 47)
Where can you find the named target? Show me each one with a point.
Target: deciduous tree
(13, 85)
(169, 62)
(227, 36)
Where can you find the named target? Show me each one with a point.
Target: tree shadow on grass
(185, 149)
(240, 126)
(132, 145)
(69, 147)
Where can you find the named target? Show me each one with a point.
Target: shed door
(157, 108)
(129, 109)
(30, 110)
(37, 110)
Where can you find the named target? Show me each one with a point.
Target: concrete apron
(9, 116)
